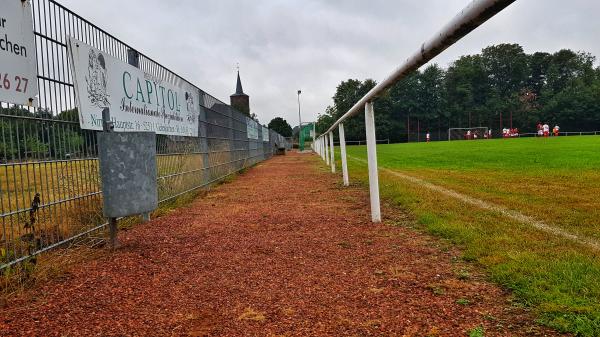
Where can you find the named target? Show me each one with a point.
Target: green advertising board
(306, 133)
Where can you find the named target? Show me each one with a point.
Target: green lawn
(556, 181)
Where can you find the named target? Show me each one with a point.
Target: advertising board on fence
(18, 72)
(265, 134)
(137, 101)
(251, 128)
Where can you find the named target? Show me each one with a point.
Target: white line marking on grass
(515, 215)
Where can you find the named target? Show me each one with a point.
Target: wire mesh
(50, 191)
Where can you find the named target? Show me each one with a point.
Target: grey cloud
(312, 45)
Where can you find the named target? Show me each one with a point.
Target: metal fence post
(343, 155)
(319, 148)
(113, 228)
(231, 143)
(372, 161)
(133, 58)
(332, 152)
(327, 158)
(318, 151)
(202, 138)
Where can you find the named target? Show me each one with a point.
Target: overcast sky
(283, 46)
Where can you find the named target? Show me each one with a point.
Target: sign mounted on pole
(251, 128)
(137, 101)
(18, 63)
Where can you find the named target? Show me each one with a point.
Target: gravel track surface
(281, 251)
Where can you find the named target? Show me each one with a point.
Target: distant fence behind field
(50, 191)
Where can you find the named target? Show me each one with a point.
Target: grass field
(555, 181)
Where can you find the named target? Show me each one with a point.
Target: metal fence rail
(474, 15)
(50, 192)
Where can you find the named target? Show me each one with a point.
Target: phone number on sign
(14, 83)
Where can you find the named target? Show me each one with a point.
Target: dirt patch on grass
(283, 250)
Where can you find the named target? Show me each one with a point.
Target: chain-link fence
(50, 193)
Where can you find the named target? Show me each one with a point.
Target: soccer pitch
(552, 183)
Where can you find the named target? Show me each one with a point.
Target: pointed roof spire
(239, 91)
(238, 87)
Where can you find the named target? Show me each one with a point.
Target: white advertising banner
(137, 101)
(18, 73)
(265, 134)
(251, 128)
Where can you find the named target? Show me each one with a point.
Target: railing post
(320, 152)
(372, 161)
(343, 155)
(321, 148)
(326, 139)
(332, 152)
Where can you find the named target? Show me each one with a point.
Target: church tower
(239, 100)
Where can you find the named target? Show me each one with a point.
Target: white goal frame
(485, 130)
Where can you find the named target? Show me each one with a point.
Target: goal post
(480, 132)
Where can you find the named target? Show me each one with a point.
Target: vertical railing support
(343, 155)
(332, 152)
(372, 162)
(323, 148)
(326, 139)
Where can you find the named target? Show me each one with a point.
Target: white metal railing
(474, 15)
(363, 142)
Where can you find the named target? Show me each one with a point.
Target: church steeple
(238, 88)
(239, 100)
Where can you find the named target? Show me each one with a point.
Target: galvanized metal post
(326, 139)
(113, 228)
(372, 162)
(203, 139)
(343, 155)
(133, 58)
(332, 152)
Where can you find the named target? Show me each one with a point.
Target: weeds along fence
(50, 193)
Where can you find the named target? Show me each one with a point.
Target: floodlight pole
(300, 147)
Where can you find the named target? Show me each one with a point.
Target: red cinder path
(282, 250)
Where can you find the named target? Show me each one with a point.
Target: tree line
(501, 87)
(26, 135)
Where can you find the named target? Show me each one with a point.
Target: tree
(281, 126)
(501, 86)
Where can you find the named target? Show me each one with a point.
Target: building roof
(239, 91)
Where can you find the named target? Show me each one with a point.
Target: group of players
(508, 133)
(543, 130)
(474, 135)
